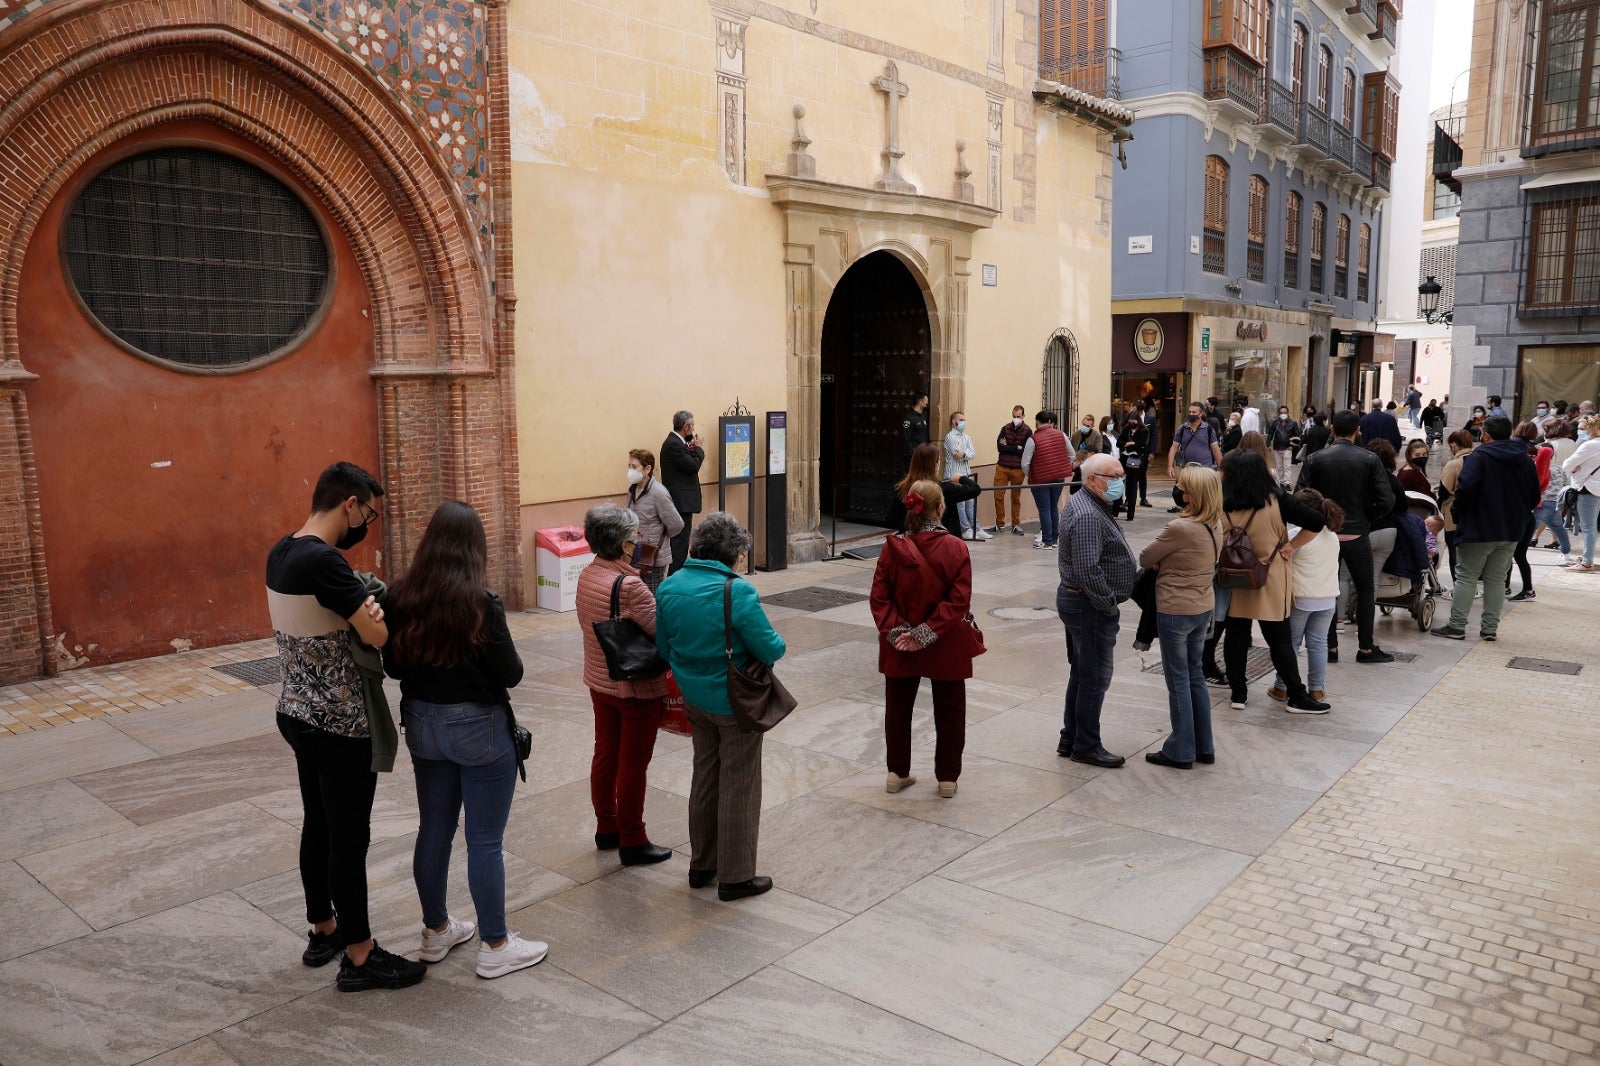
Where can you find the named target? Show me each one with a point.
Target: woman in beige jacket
(1461, 444)
(1253, 501)
(1184, 557)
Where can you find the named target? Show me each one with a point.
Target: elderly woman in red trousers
(921, 602)
(626, 713)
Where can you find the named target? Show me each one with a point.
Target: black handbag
(758, 699)
(630, 652)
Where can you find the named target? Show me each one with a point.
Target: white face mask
(635, 475)
(1016, 421)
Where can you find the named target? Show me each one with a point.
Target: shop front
(1149, 360)
(1251, 362)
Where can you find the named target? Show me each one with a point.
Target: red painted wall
(143, 557)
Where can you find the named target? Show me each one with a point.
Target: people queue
(1247, 551)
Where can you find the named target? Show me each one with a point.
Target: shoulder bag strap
(616, 597)
(910, 542)
(727, 619)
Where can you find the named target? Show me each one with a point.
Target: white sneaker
(515, 954)
(1038, 541)
(983, 534)
(435, 946)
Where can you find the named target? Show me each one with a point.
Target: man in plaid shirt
(1097, 571)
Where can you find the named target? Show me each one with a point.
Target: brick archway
(78, 76)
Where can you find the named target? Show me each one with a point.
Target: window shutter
(1365, 248)
(1291, 223)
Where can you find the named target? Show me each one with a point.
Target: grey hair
(720, 538)
(1099, 463)
(606, 527)
(681, 419)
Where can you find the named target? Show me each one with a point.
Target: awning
(1563, 177)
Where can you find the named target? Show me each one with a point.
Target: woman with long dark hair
(451, 650)
(1541, 454)
(1253, 501)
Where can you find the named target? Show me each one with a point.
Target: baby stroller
(1414, 595)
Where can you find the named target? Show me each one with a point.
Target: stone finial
(964, 190)
(800, 162)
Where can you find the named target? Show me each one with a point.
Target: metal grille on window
(1060, 393)
(1563, 250)
(196, 257)
(1319, 226)
(1256, 243)
(1291, 241)
(1214, 257)
(1565, 87)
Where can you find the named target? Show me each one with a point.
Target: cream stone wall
(648, 280)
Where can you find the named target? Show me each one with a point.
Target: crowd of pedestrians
(665, 616)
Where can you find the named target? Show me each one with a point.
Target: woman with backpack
(922, 603)
(1256, 550)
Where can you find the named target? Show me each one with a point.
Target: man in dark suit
(681, 455)
(1379, 424)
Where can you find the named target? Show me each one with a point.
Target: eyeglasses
(370, 515)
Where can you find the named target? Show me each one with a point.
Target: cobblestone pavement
(1404, 880)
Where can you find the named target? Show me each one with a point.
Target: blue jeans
(1048, 501)
(1091, 644)
(1183, 636)
(1313, 626)
(1588, 515)
(463, 756)
(1548, 514)
(968, 510)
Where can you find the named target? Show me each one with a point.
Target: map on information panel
(736, 450)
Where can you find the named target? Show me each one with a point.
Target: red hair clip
(914, 502)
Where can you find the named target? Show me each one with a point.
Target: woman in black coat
(1134, 446)
(1316, 438)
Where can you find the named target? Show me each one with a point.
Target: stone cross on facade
(893, 89)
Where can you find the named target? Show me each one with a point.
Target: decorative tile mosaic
(430, 54)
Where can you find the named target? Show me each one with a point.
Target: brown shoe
(895, 782)
(1278, 694)
(1318, 695)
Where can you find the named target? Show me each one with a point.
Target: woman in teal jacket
(725, 797)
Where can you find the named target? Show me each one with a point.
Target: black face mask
(1419, 460)
(351, 538)
(1193, 419)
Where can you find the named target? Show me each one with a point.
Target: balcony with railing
(1214, 258)
(1278, 112)
(1316, 275)
(1342, 145)
(1093, 72)
(1341, 282)
(1361, 160)
(1232, 79)
(1446, 157)
(1364, 14)
(1380, 171)
(1383, 36)
(1255, 260)
(1314, 127)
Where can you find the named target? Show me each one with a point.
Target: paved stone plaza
(1414, 878)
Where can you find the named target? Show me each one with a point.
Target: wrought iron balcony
(1361, 160)
(1314, 127)
(1342, 142)
(1091, 72)
(1291, 269)
(1364, 9)
(1380, 172)
(1233, 79)
(1214, 259)
(1278, 109)
(1383, 35)
(1446, 157)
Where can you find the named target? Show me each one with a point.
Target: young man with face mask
(1283, 433)
(318, 605)
(1011, 442)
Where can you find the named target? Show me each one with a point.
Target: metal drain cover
(1544, 666)
(1257, 665)
(257, 672)
(814, 598)
(1024, 614)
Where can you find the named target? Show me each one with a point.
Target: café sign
(1148, 340)
(1251, 331)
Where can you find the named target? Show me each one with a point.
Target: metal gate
(1061, 376)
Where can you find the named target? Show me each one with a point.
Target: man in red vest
(1047, 464)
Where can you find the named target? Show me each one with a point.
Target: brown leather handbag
(758, 699)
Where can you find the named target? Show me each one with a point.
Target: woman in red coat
(921, 599)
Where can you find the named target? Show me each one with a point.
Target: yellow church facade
(815, 207)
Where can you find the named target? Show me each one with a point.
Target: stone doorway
(877, 358)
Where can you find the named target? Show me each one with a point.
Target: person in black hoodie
(1134, 446)
(1498, 488)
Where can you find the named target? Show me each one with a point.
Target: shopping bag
(674, 719)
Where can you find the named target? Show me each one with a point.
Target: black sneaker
(1215, 679)
(1450, 631)
(1484, 634)
(322, 948)
(383, 969)
(1376, 655)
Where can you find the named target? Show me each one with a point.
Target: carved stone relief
(731, 27)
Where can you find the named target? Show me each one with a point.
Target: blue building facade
(1248, 221)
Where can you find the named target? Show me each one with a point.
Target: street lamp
(1428, 301)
